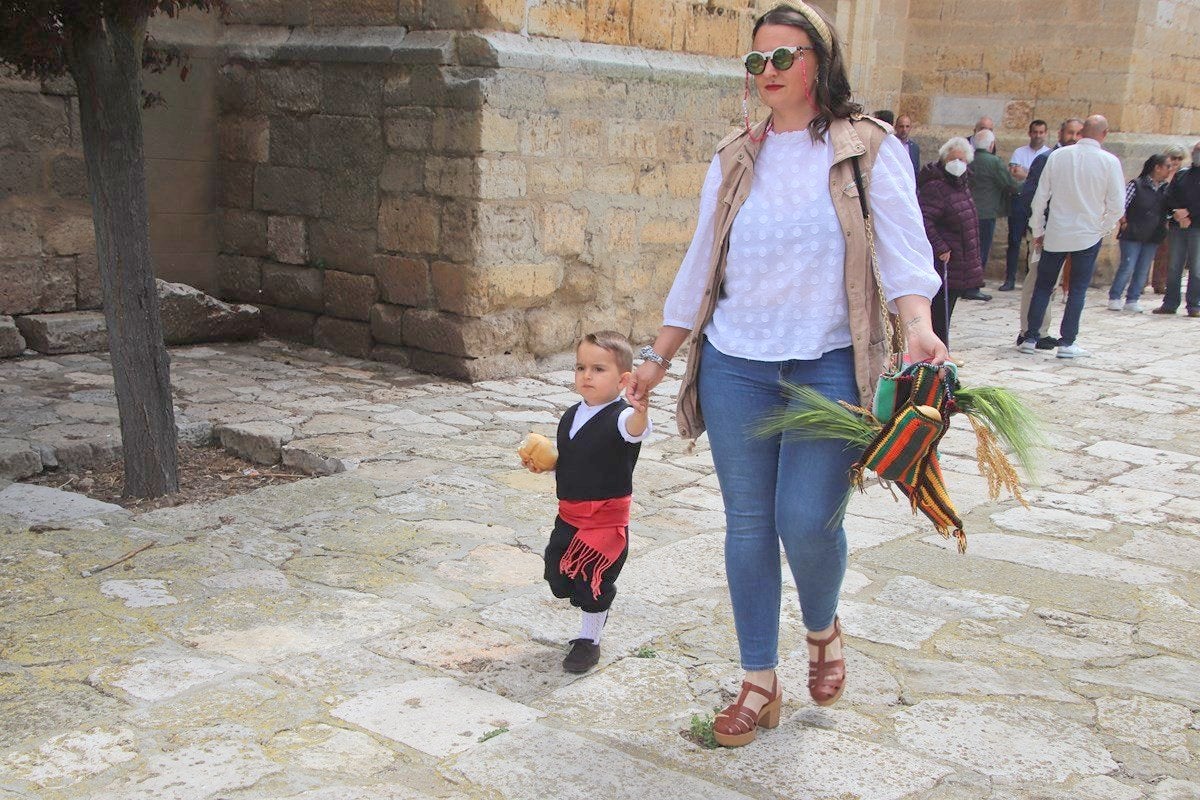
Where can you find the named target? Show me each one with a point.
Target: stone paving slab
(381, 630)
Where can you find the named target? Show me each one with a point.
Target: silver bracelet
(647, 354)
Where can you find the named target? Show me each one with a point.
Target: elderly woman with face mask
(952, 226)
(778, 285)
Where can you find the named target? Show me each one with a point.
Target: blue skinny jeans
(777, 489)
(1130, 279)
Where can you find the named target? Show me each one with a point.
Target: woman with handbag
(779, 284)
(1142, 230)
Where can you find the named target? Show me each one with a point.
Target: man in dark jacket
(904, 126)
(991, 186)
(1183, 204)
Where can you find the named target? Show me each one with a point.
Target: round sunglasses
(782, 58)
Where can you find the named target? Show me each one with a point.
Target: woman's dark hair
(832, 93)
(1156, 160)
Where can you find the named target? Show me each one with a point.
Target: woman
(777, 285)
(952, 226)
(1158, 273)
(1143, 228)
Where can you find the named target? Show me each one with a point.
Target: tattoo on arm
(908, 326)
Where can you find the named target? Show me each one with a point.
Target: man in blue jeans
(1082, 187)
(1183, 203)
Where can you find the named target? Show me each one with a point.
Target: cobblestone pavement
(383, 632)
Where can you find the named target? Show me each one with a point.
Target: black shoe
(1047, 343)
(584, 655)
(1007, 286)
(975, 294)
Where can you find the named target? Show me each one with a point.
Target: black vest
(598, 463)
(1146, 216)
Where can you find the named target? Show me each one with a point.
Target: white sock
(593, 626)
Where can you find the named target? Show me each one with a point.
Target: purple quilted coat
(951, 223)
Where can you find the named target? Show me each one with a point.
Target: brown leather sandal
(737, 725)
(826, 679)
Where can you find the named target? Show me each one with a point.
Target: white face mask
(956, 167)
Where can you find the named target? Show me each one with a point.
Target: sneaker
(1133, 308)
(1047, 343)
(584, 655)
(1007, 286)
(1028, 346)
(1072, 351)
(1195, 312)
(1162, 310)
(1116, 305)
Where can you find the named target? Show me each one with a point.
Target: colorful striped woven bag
(905, 450)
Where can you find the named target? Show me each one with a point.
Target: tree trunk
(106, 63)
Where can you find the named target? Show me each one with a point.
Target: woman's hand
(649, 373)
(924, 345)
(642, 382)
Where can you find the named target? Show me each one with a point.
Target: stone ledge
(513, 51)
(260, 442)
(361, 45)
(68, 332)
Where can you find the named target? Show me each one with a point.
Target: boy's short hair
(614, 343)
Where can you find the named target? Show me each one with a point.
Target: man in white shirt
(1024, 155)
(1082, 185)
(1018, 216)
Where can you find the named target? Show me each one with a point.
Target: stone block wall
(181, 155)
(47, 243)
(47, 239)
(1164, 70)
(1134, 61)
(470, 202)
(467, 185)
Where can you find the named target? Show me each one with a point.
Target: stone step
(260, 441)
(11, 341)
(68, 332)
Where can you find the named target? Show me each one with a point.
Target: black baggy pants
(579, 588)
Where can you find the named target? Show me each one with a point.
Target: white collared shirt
(1084, 188)
(1024, 155)
(586, 412)
(784, 295)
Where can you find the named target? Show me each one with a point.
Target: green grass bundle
(996, 415)
(811, 415)
(1008, 419)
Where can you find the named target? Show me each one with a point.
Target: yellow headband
(814, 19)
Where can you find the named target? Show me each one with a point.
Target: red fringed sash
(600, 539)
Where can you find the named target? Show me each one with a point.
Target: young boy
(598, 444)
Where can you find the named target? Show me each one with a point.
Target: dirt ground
(205, 474)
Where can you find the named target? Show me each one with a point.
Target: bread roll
(538, 451)
(930, 412)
